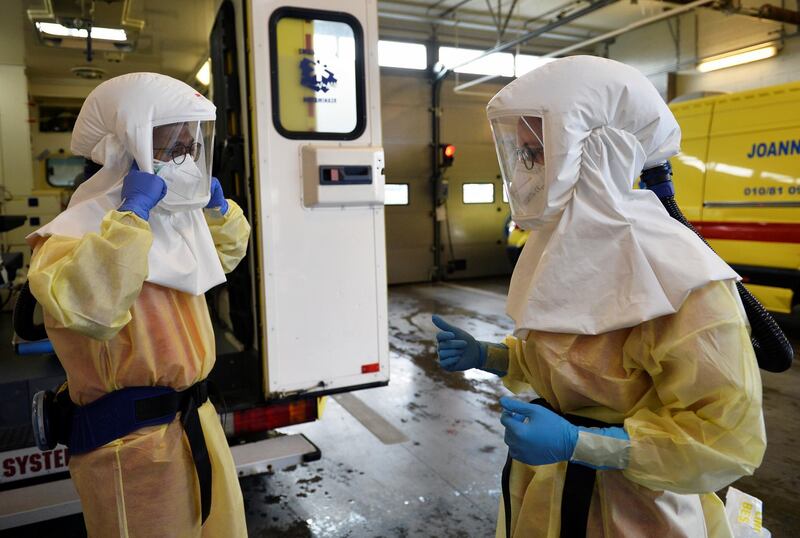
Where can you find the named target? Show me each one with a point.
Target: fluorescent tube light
(98, 32)
(752, 54)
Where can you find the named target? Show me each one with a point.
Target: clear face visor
(185, 141)
(520, 150)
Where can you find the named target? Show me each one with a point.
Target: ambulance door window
(317, 60)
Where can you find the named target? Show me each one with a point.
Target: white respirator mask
(182, 157)
(187, 186)
(527, 190)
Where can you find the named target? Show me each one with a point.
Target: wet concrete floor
(445, 480)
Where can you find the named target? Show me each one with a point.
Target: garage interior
(423, 456)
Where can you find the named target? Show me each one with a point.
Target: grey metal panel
(273, 454)
(31, 504)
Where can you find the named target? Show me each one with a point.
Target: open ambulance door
(318, 190)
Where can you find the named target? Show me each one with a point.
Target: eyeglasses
(528, 155)
(179, 151)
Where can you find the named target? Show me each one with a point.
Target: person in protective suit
(627, 326)
(121, 276)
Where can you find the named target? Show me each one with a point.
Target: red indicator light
(371, 368)
(449, 150)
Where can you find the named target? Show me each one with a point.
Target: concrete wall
(653, 49)
(785, 67)
(676, 45)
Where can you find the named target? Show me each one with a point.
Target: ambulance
(304, 315)
(737, 179)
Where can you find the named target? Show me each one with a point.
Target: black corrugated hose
(773, 350)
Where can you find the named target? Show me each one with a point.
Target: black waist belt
(127, 410)
(576, 498)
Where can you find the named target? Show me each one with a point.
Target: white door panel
(324, 267)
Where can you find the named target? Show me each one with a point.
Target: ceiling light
(739, 57)
(98, 32)
(203, 75)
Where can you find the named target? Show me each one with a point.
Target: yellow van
(738, 181)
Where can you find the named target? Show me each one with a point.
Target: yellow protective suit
(686, 387)
(111, 329)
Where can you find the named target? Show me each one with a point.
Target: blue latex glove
(458, 350)
(217, 199)
(535, 435)
(141, 191)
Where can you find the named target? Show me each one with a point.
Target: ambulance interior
(445, 237)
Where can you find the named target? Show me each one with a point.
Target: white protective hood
(115, 126)
(604, 256)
